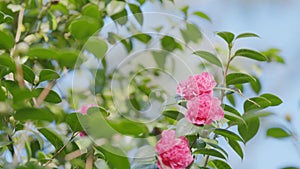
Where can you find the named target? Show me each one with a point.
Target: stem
(19, 71)
(60, 150)
(44, 93)
(89, 160)
(223, 91)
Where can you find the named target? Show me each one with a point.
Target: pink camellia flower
(196, 85)
(83, 110)
(173, 153)
(204, 109)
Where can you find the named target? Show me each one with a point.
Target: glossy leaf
(42, 53)
(145, 38)
(115, 156)
(127, 127)
(28, 74)
(275, 101)
(160, 58)
(173, 114)
(84, 27)
(96, 46)
(247, 35)
(52, 96)
(210, 152)
(73, 122)
(47, 75)
(227, 36)
(202, 15)
(115, 7)
(209, 57)
(91, 10)
(277, 132)
(252, 54)
(249, 131)
(25, 114)
(137, 13)
(121, 17)
(219, 164)
(169, 44)
(52, 137)
(192, 33)
(236, 147)
(256, 85)
(216, 146)
(238, 78)
(6, 40)
(228, 134)
(256, 103)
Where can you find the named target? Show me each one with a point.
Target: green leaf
(228, 134)
(137, 13)
(290, 168)
(42, 53)
(160, 58)
(84, 27)
(6, 40)
(73, 122)
(48, 75)
(115, 7)
(4, 18)
(52, 96)
(25, 114)
(256, 85)
(247, 35)
(202, 15)
(277, 132)
(121, 17)
(52, 137)
(115, 156)
(219, 164)
(96, 46)
(252, 54)
(218, 147)
(173, 114)
(145, 38)
(91, 10)
(2, 95)
(94, 118)
(28, 74)
(52, 20)
(238, 78)
(100, 80)
(28, 150)
(67, 58)
(209, 57)
(231, 99)
(249, 131)
(236, 147)
(273, 55)
(169, 44)
(126, 127)
(227, 36)
(275, 101)
(256, 103)
(210, 152)
(191, 33)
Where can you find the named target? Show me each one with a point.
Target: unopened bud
(288, 118)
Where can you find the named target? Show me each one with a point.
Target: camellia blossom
(204, 109)
(83, 110)
(173, 153)
(196, 85)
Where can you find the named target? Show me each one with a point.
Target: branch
(60, 150)
(44, 93)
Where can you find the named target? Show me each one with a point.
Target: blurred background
(278, 24)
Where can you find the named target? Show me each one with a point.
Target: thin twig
(238, 91)
(89, 161)
(44, 93)
(61, 149)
